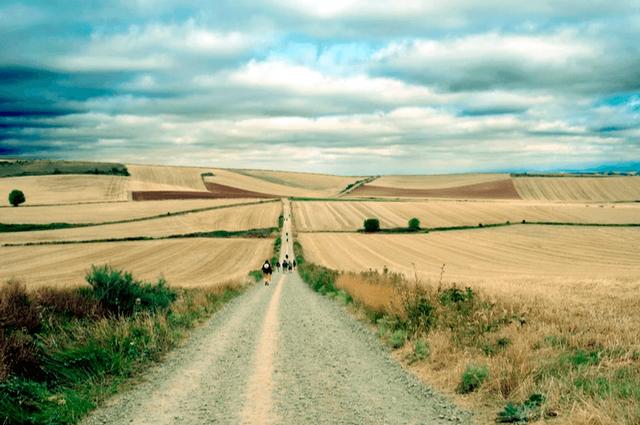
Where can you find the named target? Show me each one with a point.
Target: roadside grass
(64, 351)
(510, 360)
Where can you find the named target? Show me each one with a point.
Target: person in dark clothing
(284, 266)
(267, 271)
(294, 264)
(290, 267)
(278, 266)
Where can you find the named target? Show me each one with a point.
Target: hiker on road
(294, 264)
(278, 266)
(267, 271)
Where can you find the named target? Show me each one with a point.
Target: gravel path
(282, 355)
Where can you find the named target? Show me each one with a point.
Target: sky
(349, 87)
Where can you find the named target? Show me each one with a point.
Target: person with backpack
(284, 266)
(267, 271)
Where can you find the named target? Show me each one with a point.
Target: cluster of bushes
(372, 225)
(46, 167)
(63, 350)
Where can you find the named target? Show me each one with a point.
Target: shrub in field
(419, 311)
(398, 338)
(472, 378)
(530, 409)
(414, 224)
(119, 293)
(16, 197)
(420, 349)
(371, 225)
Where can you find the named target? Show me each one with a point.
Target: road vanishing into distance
(280, 354)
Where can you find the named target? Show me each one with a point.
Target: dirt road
(279, 355)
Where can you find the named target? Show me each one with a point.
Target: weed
(398, 338)
(420, 351)
(472, 378)
(530, 409)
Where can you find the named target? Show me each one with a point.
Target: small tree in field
(414, 224)
(16, 197)
(371, 225)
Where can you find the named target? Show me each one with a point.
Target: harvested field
(596, 189)
(349, 215)
(186, 262)
(498, 189)
(282, 183)
(104, 212)
(324, 184)
(547, 261)
(222, 191)
(231, 219)
(437, 181)
(66, 189)
(166, 178)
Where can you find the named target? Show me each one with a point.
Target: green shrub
(398, 338)
(120, 294)
(472, 378)
(371, 225)
(419, 311)
(16, 197)
(414, 224)
(421, 349)
(530, 409)
(256, 275)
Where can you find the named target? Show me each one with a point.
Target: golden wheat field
(183, 262)
(530, 258)
(348, 215)
(65, 189)
(596, 189)
(282, 183)
(108, 211)
(230, 219)
(436, 181)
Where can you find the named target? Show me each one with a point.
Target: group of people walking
(286, 266)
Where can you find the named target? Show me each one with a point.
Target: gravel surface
(280, 354)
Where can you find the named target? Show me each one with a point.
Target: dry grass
(65, 189)
(109, 211)
(319, 216)
(598, 189)
(230, 219)
(584, 356)
(184, 262)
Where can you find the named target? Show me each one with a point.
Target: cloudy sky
(342, 86)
